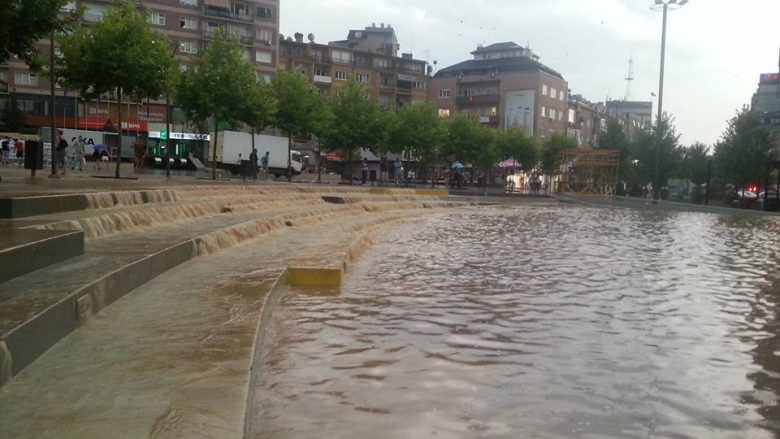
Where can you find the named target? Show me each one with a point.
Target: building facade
(586, 121)
(380, 40)
(766, 100)
(394, 80)
(189, 24)
(632, 111)
(504, 86)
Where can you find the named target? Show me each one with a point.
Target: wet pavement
(537, 322)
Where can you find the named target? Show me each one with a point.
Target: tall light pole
(52, 98)
(664, 6)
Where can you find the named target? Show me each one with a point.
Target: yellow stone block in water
(315, 276)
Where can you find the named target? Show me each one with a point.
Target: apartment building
(394, 80)
(189, 24)
(505, 86)
(586, 121)
(766, 99)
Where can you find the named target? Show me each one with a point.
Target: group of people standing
(73, 154)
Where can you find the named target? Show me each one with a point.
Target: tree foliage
(23, 23)
(515, 144)
(120, 54)
(744, 150)
(462, 139)
(418, 130)
(221, 86)
(357, 122)
(695, 159)
(552, 147)
(299, 108)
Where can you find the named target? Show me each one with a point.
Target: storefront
(182, 145)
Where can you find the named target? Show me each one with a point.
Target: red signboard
(91, 123)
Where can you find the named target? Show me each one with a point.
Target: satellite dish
(311, 38)
(289, 39)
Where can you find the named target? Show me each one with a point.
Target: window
(25, 79)
(341, 56)
(544, 111)
(419, 85)
(444, 93)
(560, 95)
(3, 81)
(265, 36)
(321, 72)
(189, 47)
(263, 57)
(493, 111)
(560, 115)
(240, 9)
(265, 12)
(553, 93)
(189, 23)
(544, 90)
(246, 55)
(358, 34)
(552, 113)
(381, 63)
(189, 2)
(361, 77)
(444, 112)
(341, 76)
(571, 116)
(156, 18)
(69, 6)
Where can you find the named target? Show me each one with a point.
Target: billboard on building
(519, 110)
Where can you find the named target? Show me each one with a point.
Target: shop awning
(332, 157)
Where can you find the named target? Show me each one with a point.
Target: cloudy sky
(716, 49)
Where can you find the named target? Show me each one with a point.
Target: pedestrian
(253, 163)
(6, 150)
(62, 152)
(399, 171)
(139, 149)
(264, 163)
(77, 159)
(19, 147)
(364, 170)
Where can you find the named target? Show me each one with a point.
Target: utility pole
(52, 80)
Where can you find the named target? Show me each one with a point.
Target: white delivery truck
(232, 143)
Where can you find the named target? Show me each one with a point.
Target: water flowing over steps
(135, 236)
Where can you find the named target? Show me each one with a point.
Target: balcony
(323, 79)
(463, 101)
(227, 14)
(489, 120)
(243, 39)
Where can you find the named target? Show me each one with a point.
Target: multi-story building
(635, 115)
(372, 39)
(586, 121)
(505, 86)
(394, 80)
(189, 24)
(766, 100)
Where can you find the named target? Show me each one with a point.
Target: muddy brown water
(537, 322)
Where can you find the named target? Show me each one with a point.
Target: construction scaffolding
(589, 171)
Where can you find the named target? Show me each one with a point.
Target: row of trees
(740, 158)
(219, 90)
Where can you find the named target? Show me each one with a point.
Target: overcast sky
(716, 49)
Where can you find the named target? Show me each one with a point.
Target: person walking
(62, 152)
(19, 148)
(77, 159)
(139, 149)
(399, 171)
(364, 170)
(6, 151)
(253, 163)
(264, 163)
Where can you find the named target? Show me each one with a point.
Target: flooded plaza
(536, 322)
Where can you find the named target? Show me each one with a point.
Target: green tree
(300, 109)
(488, 152)
(552, 148)
(260, 108)
(461, 140)
(643, 150)
(515, 144)
(219, 86)
(119, 54)
(23, 23)
(13, 116)
(745, 149)
(357, 122)
(615, 139)
(695, 159)
(418, 130)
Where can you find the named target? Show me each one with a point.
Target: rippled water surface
(548, 322)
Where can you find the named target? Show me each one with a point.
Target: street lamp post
(664, 6)
(52, 80)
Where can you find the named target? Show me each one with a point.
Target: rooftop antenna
(630, 76)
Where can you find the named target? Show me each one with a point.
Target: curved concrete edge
(272, 300)
(39, 252)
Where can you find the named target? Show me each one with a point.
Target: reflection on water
(538, 322)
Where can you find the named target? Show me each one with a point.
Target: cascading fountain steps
(134, 236)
